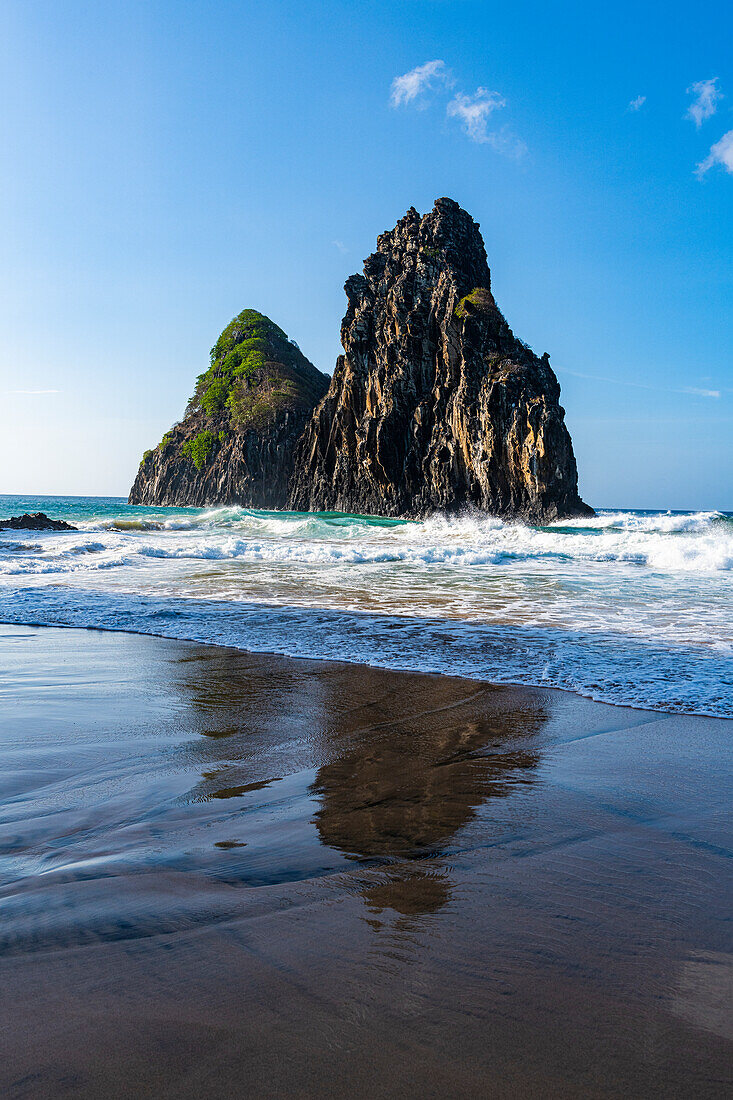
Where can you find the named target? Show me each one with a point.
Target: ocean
(631, 607)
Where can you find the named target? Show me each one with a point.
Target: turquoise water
(630, 607)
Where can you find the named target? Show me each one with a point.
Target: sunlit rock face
(236, 443)
(435, 404)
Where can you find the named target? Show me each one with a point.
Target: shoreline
(631, 610)
(315, 877)
(367, 664)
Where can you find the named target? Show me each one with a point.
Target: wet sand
(224, 874)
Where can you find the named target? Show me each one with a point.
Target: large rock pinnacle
(435, 404)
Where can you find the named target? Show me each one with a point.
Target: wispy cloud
(701, 393)
(340, 245)
(474, 111)
(32, 393)
(637, 104)
(721, 153)
(690, 390)
(411, 86)
(507, 143)
(705, 104)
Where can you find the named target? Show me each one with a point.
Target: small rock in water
(35, 521)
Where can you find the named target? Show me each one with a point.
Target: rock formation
(435, 404)
(237, 441)
(35, 521)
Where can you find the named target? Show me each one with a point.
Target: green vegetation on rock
(480, 300)
(214, 398)
(199, 448)
(255, 373)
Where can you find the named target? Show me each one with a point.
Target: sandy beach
(227, 874)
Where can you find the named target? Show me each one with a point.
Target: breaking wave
(668, 542)
(655, 582)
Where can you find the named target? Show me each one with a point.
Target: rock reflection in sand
(402, 792)
(450, 888)
(401, 764)
(249, 771)
(409, 892)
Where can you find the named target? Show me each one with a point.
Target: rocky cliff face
(237, 441)
(435, 404)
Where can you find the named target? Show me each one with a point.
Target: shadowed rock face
(236, 443)
(435, 404)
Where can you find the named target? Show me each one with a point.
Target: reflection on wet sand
(319, 879)
(404, 790)
(243, 788)
(408, 891)
(399, 773)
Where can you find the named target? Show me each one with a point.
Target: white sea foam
(607, 667)
(700, 542)
(600, 599)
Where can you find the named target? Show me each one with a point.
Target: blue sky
(167, 164)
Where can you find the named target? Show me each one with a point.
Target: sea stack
(236, 443)
(435, 405)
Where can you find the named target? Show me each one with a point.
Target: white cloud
(505, 142)
(409, 86)
(720, 153)
(32, 393)
(701, 393)
(638, 103)
(340, 245)
(474, 111)
(705, 104)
